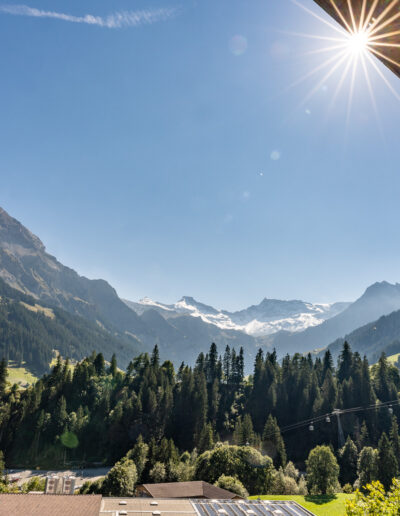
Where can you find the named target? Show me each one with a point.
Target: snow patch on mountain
(267, 318)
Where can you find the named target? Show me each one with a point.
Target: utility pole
(341, 441)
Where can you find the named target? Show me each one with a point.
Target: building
(381, 17)
(49, 505)
(195, 489)
(95, 505)
(203, 507)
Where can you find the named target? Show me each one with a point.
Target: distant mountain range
(379, 299)
(185, 328)
(267, 318)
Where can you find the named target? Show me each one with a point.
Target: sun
(366, 32)
(358, 43)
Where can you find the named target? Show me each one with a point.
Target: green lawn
(318, 505)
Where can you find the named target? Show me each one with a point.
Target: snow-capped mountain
(267, 318)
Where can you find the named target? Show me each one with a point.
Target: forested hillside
(29, 332)
(97, 413)
(374, 338)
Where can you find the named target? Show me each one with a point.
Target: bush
(376, 502)
(283, 484)
(34, 484)
(302, 486)
(242, 462)
(347, 488)
(180, 471)
(121, 479)
(95, 487)
(233, 485)
(158, 473)
(291, 471)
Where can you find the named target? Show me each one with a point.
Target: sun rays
(366, 29)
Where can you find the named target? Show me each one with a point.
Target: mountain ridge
(268, 317)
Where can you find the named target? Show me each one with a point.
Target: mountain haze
(183, 329)
(26, 266)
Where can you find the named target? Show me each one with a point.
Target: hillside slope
(29, 332)
(373, 339)
(25, 265)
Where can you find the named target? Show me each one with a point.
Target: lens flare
(358, 42)
(366, 30)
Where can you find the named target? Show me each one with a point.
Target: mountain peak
(14, 235)
(382, 288)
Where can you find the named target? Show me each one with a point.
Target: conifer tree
(387, 463)
(395, 439)
(345, 363)
(367, 467)
(327, 364)
(99, 364)
(226, 364)
(348, 458)
(273, 443)
(364, 435)
(113, 366)
(155, 357)
(206, 439)
(3, 377)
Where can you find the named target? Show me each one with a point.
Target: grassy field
(318, 505)
(393, 358)
(20, 375)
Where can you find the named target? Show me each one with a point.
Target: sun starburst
(367, 29)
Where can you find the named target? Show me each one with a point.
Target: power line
(337, 413)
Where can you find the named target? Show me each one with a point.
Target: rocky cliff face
(26, 266)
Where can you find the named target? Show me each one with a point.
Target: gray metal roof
(248, 508)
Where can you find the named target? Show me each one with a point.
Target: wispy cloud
(117, 20)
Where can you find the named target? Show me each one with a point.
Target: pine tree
(348, 457)
(387, 463)
(206, 439)
(3, 377)
(99, 364)
(367, 467)
(395, 439)
(327, 364)
(345, 363)
(273, 443)
(364, 435)
(211, 364)
(113, 366)
(226, 364)
(155, 357)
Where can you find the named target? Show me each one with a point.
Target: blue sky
(138, 143)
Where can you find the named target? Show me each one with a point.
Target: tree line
(95, 413)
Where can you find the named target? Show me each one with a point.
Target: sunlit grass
(20, 375)
(318, 505)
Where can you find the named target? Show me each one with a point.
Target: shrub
(244, 462)
(347, 488)
(283, 484)
(233, 485)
